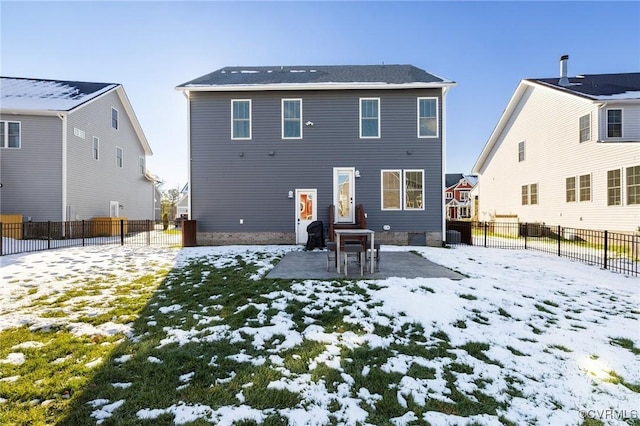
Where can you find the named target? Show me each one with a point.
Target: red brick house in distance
(459, 201)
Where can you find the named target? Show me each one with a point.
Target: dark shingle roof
(52, 95)
(315, 75)
(599, 86)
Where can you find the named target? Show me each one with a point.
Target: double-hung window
(525, 195)
(10, 134)
(633, 185)
(402, 189)
(614, 123)
(141, 165)
(114, 118)
(413, 189)
(95, 149)
(291, 118)
(533, 193)
(614, 188)
(585, 128)
(119, 157)
(369, 117)
(585, 187)
(521, 153)
(427, 117)
(570, 189)
(241, 119)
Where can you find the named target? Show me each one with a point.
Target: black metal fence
(610, 250)
(36, 236)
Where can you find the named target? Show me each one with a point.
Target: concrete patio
(403, 264)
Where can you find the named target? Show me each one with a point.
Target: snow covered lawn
(121, 335)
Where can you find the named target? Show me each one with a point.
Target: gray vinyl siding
(227, 187)
(93, 184)
(32, 175)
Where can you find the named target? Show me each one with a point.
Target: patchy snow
(550, 328)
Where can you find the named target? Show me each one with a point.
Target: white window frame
(537, 194)
(379, 118)
(575, 189)
(628, 185)
(4, 143)
(404, 190)
(580, 188)
(621, 123)
(620, 187)
(79, 133)
(299, 119)
(115, 124)
(141, 165)
(524, 195)
(522, 153)
(95, 148)
(119, 157)
(448, 195)
(233, 119)
(400, 189)
(437, 118)
(586, 129)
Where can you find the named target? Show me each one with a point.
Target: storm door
(344, 194)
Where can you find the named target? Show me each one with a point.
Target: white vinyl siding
(241, 119)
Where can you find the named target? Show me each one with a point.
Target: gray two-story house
(273, 149)
(71, 150)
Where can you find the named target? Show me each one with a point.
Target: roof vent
(564, 80)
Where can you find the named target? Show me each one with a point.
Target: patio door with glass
(344, 194)
(306, 212)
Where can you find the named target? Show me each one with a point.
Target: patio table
(358, 233)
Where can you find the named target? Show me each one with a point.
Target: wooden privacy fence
(616, 251)
(21, 237)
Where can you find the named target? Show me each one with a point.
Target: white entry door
(306, 212)
(344, 194)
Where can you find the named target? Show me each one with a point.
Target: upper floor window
(464, 195)
(633, 185)
(95, 148)
(521, 151)
(585, 128)
(119, 157)
(449, 195)
(413, 189)
(391, 190)
(10, 134)
(427, 117)
(614, 123)
(114, 118)
(614, 188)
(369, 117)
(570, 189)
(585, 188)
(241, 119)
(291, 118)
(141, 165)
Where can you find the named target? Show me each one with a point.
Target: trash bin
(189, 233)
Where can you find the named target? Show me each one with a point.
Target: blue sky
(151, 47)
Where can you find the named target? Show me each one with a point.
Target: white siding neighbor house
(71, 150)
(566, 151)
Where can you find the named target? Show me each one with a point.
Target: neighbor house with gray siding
(71, 150)
(566, 151)
(272, 149)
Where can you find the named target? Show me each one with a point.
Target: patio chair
(353, 249)
(376, 254)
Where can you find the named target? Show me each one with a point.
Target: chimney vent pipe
(564, 80)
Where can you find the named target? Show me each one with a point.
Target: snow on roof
(47, 95)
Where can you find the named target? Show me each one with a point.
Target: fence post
(526, 232)
(148, 232)
(485, 234)
(606, 234)
(559, 238)
(121, 232)
(82, 232)
(1, 239)
(48, 234)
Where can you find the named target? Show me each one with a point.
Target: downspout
(63, 117)
(444, 164)
(186, 95)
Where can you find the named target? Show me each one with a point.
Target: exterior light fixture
(290, 194)
(271, 153)
(357, 173)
